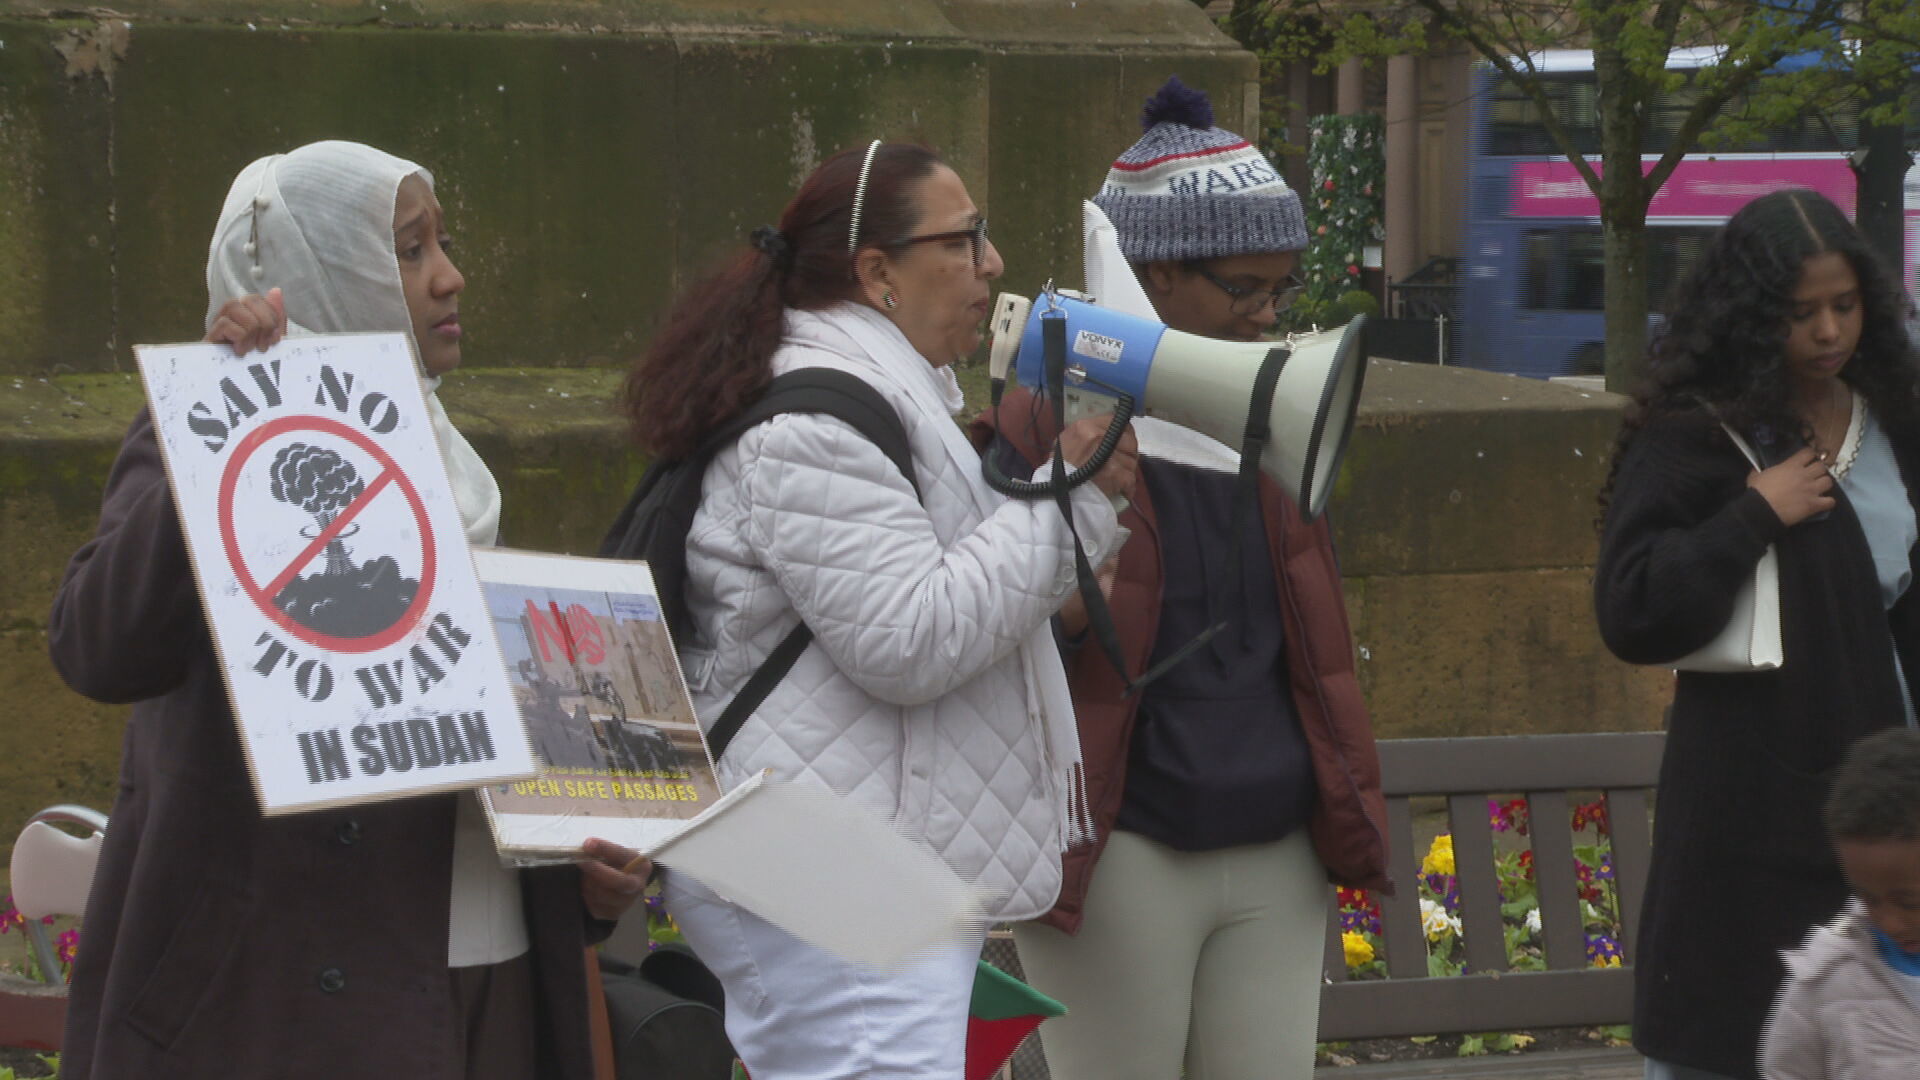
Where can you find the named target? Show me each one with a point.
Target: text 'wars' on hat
(1189, 190)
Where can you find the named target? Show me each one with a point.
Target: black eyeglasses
(975, 234)
(1252, 301)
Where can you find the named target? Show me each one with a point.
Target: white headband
(860, 198)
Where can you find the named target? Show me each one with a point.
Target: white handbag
(1751, 639)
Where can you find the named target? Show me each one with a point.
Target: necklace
(1829, 424)
(1850, 442)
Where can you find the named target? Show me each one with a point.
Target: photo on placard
(599, 689)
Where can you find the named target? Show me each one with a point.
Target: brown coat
(220, 943)
(1349, 816)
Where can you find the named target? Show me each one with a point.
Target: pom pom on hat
(1178, 103)
(1190, 190)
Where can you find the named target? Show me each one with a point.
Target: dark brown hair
(714, 354)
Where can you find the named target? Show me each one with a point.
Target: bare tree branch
(1528, 82)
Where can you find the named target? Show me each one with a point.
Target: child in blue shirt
(1850, 1008)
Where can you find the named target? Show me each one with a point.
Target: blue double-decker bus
(1531, 296)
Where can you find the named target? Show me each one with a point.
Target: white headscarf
(317, 223)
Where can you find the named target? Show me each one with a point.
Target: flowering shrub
(1439, 897)
(1347, 160)
(65, 946)
(661, 929)
(1438, 891)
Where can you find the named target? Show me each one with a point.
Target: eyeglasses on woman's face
(974, 234)
(1251, 301)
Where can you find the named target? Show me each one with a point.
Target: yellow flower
(1606, 961)
(1439, 858)
(1359, 950)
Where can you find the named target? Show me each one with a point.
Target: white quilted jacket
(912, 697)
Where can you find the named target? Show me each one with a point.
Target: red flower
(1516, 811)
(1593, 813)
(1353, 270)
(1526, 863)
(1328, 185)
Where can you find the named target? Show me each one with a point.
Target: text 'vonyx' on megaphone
(1196, 382)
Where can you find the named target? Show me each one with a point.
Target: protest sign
(334, 569)
(621, 755)
(622, 758)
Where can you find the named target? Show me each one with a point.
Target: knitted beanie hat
(1189, 190)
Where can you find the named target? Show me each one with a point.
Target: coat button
(333, 980)
(348, 832)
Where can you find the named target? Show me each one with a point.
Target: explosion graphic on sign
(342, 600)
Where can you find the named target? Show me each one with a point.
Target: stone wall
(594, 157)
(1465, 519)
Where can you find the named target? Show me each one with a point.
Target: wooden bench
(1488, 996)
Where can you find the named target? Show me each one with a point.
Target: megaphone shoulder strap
(1246, 498)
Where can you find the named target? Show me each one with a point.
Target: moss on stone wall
(587, 175)
(57, 303)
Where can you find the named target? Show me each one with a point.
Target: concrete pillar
(1350, 93)
(1401, 252)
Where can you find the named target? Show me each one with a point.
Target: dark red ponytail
(714, 354)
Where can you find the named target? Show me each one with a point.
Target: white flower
(1436, 920)
(1533, 921)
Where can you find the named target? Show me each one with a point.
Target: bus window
(1516, 125)
(1542, 255)
(1670, 255)
(1565, 268)
(1586, 269)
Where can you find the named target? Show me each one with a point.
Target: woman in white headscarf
(380, 940)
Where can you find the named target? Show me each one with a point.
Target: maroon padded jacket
(1349, 815)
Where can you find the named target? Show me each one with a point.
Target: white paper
(826, 870)
(333, 567)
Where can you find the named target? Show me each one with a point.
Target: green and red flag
(1004, 1012)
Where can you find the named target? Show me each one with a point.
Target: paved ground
(1622, 1064)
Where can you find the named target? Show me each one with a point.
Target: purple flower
(1603, 951)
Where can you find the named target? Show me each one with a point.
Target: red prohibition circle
(230, 479)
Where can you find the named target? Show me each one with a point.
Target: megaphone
(1196, 382)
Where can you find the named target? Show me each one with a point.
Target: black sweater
(1741, 865)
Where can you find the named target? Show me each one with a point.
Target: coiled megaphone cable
(1053, 340)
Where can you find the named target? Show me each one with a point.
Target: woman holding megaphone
(932, 690)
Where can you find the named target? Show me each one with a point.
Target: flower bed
(1439, 899)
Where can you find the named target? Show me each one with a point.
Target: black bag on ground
(657, 518)
(667, 1017)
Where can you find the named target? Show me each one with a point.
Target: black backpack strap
(845, 397)
(759, 685)
(812, 390)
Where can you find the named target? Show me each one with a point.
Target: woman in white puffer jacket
(932, 691)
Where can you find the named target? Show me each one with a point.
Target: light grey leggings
(1208, 961)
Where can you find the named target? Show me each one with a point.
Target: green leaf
(1473, 1046)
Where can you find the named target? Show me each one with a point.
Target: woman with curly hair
(1789, 331)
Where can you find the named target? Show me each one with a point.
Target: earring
(887, 299)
